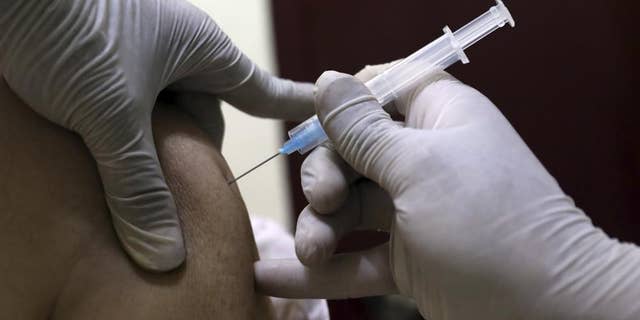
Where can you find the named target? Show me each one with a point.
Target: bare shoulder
(59, 256)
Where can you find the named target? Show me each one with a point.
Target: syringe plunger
(437, 55)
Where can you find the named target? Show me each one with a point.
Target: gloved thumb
(143, 211)
(362, 132)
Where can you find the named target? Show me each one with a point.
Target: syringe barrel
(437, 55)
(387, 86)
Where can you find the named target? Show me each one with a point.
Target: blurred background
(565, 77)
(249, 140)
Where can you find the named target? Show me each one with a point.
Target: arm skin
(59, 256)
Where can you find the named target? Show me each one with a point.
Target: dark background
(565, 77)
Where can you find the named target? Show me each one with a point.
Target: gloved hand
(478, 227)
(96, 67)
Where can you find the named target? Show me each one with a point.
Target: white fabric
(276, 243)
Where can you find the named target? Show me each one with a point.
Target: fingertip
(263, 272)
(311, 253)
(168, 257)
(160, 250)
(162, 258)
(327, 77)
(371, 71)
(367, 73)
(337, 84)
(148, 226)
(315, 241)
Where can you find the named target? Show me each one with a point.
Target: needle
(256, 167)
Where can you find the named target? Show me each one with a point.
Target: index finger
(349, 275)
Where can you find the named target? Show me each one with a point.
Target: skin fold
(59, 255)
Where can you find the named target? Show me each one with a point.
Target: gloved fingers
(371, 71)
(350, 275)
(406, 98)
(142, 208)
(442, 101)
(210, 62)
(260, 94)
(361, 131)
(317, 235)
(326, 178)
(205, 109)
(265, 95)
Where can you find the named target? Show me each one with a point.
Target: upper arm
(59, 254)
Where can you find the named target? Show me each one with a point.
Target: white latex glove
(96, 67)
(274, 242)
(479, 229)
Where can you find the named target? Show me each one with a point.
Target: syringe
(437, 55)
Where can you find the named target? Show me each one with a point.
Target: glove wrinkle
(479, 228)
(97, 67)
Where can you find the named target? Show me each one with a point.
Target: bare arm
(52, 210)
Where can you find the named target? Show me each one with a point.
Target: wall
(249, 140)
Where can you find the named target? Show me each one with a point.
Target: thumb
(362, 132)
(143, 211)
